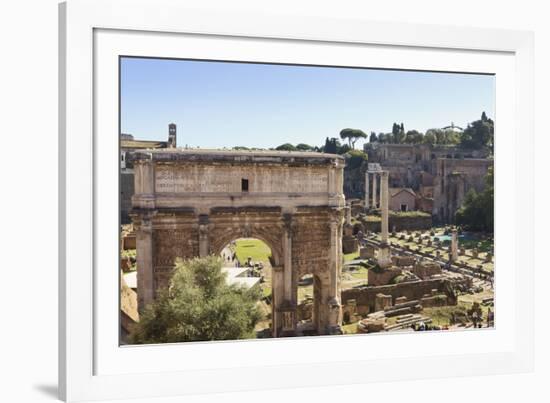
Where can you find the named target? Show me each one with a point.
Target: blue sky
(221, 104)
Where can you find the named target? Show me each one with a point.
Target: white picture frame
(91, 363)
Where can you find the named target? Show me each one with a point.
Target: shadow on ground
(48, 390)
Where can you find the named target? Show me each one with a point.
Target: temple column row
(375, 178)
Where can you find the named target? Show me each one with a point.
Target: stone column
(348, 214)
(144, 185)
(454, 246)
(334, 257)
(331, 180)
(204, 243)
(287, 263)
(334, 307)
(384, 253)
(374, 179)
(384, 205)
(144, 263)
(367, 203)
(277, 295)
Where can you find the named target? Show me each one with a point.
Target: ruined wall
(411, 165)
(365, 297)
(454, 179)
(311, 248)
(126, 192)
(402, 223)
(173, 237)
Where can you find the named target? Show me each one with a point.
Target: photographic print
(266, 200)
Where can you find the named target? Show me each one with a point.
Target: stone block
(382, 302)
(349, 245)
(403, 261)
(400, 300)
(426, 269)
(378, 277)
(368, 252)
(371, 325)
(129, 242)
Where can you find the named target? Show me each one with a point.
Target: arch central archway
(249, 261)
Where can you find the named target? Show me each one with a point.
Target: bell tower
(172, 135)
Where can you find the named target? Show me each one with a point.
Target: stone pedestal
(384, 256)
(287, 313)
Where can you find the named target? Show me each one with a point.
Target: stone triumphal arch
(190, 203)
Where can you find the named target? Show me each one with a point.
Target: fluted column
(144, 263)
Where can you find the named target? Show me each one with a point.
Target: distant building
(453, 128)
(402, 199)
(128, 145)
(454, 179)
(439, 175)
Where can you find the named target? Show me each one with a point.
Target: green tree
(383, 138)
(477, 210)
(414, 137)
(479, 133)
(373, 138)
(355, 158)
(331, 146)
(286, 147)
(397, 134)
(304, 147)
(198, 305)
(352, 135)
(429, 138)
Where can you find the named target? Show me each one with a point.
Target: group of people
(231, 257)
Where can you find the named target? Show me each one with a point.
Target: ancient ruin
(191, 203)
(434, 179)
